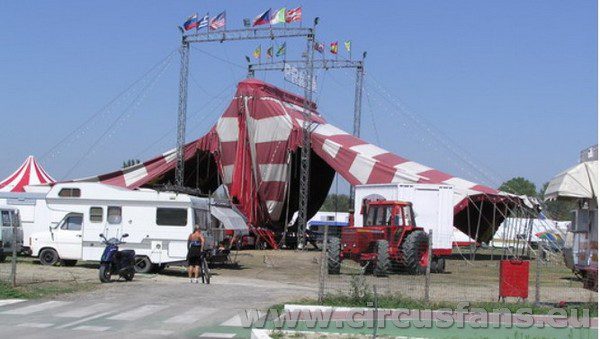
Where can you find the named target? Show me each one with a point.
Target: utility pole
(267, 33)
(305, 152)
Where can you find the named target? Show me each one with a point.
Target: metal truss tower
(267, 33)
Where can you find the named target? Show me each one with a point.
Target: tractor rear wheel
(414, 252)
(333, 256)
(441, 265)
(382, 265)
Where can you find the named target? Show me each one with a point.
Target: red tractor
(388, 240)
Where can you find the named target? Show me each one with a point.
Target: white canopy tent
(580, 181)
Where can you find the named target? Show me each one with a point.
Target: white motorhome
(158, 223)
(432, 204)
(12, 232)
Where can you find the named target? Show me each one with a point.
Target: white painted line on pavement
(216, 335)
(236, 321)
(92, 328)
(35, 325)
(191, 316)
(138, 313)
(77, 322)
(36, 308)
(157, 332)
(85, 311)
(4, 302)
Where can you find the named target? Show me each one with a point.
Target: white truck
(29, 205)
(432, 205)
(158, 223)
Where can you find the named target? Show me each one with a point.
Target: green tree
(343, 203)
(519, 186)
(130, 162)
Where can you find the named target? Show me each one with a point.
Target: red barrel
(514, 278)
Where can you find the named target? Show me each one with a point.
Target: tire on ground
(48, 257)
(441, 265)
(104, 273)
(382, 265)
(434, 265)
(143, 264)
(413, 249)
(333, 256)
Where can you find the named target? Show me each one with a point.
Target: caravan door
(67, 236)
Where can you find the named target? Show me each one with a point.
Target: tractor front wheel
(414, 251)
(333, 256)
(382, 265)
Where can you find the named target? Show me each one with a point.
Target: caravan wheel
(48, 257)
(143, 264)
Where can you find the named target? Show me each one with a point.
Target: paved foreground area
(146, 309)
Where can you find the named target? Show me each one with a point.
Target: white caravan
(158, 223)
(432, 204)
(30, 206)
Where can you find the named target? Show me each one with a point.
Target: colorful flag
(191, 22)
(320, 47)
(278, 17)
(348, 45)
(281, 50)
(293, 15)
(257, 52)
(270, 52)
(333, 47)
(263, 19)
(218, 21)
(203, 22)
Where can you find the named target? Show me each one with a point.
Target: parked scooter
(114, 261)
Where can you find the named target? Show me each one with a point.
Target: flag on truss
(293, 15)
(257, 52)
(263, 19)
(348, 45)
(333, 47)
(281, 50)
(270, 52)
(218, 21)
(203, 22)
(278, 17)
(320, 47)
(191, 22)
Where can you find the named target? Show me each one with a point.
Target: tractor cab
(389, 239)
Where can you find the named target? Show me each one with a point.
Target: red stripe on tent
(25, 179)
(8, 180)
(266, 109)
(381, 174)
(390, 159)
(272, 190)
(228, 150)
(271, 152)
(347, 140)
(484, 189)
(434, 177)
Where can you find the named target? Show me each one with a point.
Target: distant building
(589, 154)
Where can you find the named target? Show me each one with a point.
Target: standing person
(194, 257)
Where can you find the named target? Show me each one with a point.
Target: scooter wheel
(128, 275)
(104, 273)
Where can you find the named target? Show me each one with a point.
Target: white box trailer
(432, 204)
(158, 223)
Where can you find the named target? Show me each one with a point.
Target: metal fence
(470, 275)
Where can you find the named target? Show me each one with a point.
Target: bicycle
(204, 270)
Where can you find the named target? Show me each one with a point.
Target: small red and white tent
(30, 173)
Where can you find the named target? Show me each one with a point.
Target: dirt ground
(464, 280)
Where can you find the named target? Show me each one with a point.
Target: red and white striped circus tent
(29, 173)
(255, 149)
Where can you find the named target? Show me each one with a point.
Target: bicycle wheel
(205, 272)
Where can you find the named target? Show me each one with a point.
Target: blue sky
(489, 89)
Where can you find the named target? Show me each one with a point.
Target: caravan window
(72, 222)
(96, 214)
(70, 193)
(114, 215)
(171, 216)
